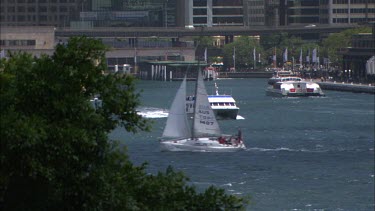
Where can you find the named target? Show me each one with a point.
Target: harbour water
(303, 153)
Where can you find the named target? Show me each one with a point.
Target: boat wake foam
(240, 117)
(282, 149)
(151, 113)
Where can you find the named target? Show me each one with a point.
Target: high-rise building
(40, 12)
(254, 12)
(302, 12)
(180, 13)
(89, 13)
(212, 13)
(297, 12)
(351, 11)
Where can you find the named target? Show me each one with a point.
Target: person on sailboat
(237, 139)
(239, 135)
(221, 140)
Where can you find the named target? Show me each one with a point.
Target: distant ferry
(294, 87)
(278, 75)
(224, 106)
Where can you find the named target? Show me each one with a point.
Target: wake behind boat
(204, 133)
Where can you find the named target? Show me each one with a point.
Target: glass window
(200, 12)
(199, 3)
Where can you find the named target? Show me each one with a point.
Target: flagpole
(234, 58)
(255, 60)
(274, 58)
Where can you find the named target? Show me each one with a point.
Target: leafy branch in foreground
(55, 151)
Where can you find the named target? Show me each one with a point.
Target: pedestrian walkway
(348, 87)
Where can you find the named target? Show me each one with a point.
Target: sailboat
(204, 133)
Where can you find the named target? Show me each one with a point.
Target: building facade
(33, 39)
(39, 12)
(254, 12)
(351, 11)
(90, 13)
(303, 12)
(183, 13)
(211, 13)
(356, 57)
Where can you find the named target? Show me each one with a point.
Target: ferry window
(232, 104)
(221, 104)
(215, 104)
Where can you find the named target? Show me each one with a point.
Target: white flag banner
(254, 55)
(259, 58)
(205, 55)
(2, 54)
(308, 56)
(370, 66)
(135, 56)
(286, 55)
(314, 58)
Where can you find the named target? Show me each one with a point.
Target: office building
(254, 12)
(351, 11)
(89, 13)
(211, 13)
(304, 12)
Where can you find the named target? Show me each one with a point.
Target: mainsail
(177, 122)
(205, 123)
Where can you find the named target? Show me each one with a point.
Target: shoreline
(325, 85)
(347, 87)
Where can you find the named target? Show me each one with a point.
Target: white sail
(205, 123)
(177, 122)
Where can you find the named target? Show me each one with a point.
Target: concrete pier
(259, 74)
(348, 87)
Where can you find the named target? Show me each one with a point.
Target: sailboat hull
(203, 144)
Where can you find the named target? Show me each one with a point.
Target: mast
(195, 101)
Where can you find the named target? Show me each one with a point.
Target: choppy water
(303, 153)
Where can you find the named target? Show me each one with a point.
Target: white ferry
(278, 75)
(224, 106)
(294, 87)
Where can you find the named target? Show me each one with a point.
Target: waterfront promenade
(348, 87)
(325, 85)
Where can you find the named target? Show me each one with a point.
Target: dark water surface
(303, 153)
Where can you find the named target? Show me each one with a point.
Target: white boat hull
(204, 144)
(285, 93)
(294, 89)
(221, 113)
(223, 106)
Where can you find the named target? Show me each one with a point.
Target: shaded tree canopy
(335, 41)
(327, 48)
(55, 152)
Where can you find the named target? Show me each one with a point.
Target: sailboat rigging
(204, 133)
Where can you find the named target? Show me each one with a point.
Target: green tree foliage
(334, 42)
(55, 152)
(244, 52)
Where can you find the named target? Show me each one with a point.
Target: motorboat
(294, 87)
(223, 105)
(203, 134)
